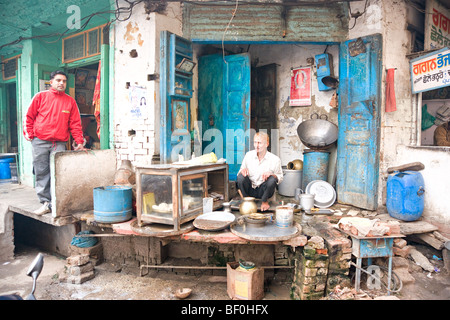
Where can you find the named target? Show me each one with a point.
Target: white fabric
(270, 163)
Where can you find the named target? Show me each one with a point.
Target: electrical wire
(395, 279)
(225, 31)
(356, 15)
(118, 11)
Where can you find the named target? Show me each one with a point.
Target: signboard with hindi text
(437, 26)
(431, 71)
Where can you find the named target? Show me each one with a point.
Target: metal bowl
(317, 133)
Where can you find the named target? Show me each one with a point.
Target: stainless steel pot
(292, 179)
(317, 134)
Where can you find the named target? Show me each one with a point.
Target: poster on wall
(431, 71)
(138, 102)
(437, 26)
(300, 87)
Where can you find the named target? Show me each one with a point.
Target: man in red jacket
(50, 119)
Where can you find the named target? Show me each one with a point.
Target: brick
(400, 262)
(402, 252)
(80, 270)
(316, 242)
(79, 279)
(322, 251)
(320, 287)
(78, 260)
(400, 243)
(405, 276)
(310, 272)
(311, 296)
(322, 271)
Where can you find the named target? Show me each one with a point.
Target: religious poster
(437, 26)
(431, 71)
(300, 87)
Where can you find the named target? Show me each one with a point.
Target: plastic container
(315, 166)
(5, 171)
(112, 204)
(405, 195)
(13, 169)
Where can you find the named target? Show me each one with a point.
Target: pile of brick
(310, 276)
(340, 254)
(78, 269)
(368, 228)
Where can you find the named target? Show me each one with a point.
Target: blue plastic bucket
(405, 195)
(5, 171)
(315, 166)
(112, 204)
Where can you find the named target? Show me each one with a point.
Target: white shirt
(270, 163)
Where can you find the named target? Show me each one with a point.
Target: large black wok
(317, 133)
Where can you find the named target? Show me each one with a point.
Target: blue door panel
(224, 104)
(359, 117)
(175, 92)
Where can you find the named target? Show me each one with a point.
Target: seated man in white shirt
(260, 172)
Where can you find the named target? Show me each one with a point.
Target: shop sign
(437, 26)
(431, 71)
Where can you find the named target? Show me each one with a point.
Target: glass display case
(173, 194)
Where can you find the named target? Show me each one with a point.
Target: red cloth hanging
(96, 99)
(391, 104)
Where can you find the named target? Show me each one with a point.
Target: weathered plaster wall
(288, 56)
(76, 174)
(398, 127)
(136, 136)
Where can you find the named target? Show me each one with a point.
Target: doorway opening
(12, 117)
(271, 67)
(83, 92)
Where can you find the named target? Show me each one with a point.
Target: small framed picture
(179, 117)
(186, 65)
(81, 77)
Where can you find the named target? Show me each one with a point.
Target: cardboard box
(244, 284)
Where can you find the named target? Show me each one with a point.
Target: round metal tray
(214, 221)
(324, 193)
(160, 230)
(268, 232)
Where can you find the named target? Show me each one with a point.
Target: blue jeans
(263, 192)
(41, 166)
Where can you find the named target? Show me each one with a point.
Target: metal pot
(292, 179)
(248, 206)
(296, 164)
(317, 134)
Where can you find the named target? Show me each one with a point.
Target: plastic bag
(427, 119)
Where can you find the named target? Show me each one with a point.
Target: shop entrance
(12, 116)
(82, 89)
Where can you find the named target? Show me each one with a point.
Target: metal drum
(112, 204)
(315, 166)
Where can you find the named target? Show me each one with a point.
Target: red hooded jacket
(51, 116)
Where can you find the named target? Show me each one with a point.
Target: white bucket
(307, 201)
(284, 216)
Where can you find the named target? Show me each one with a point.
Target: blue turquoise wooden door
(236, 110)
(176, 93)
(359, 116)
(224, 107)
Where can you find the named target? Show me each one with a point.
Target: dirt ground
(114, 283)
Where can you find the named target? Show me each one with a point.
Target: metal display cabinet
(172, 194)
